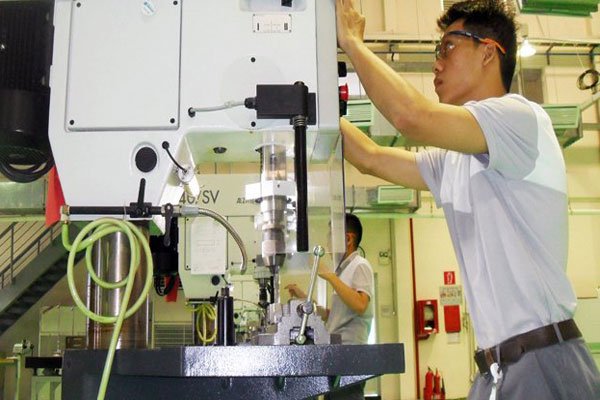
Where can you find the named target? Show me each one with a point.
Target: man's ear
(489, 53)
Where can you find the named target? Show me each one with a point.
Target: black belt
(511, 350)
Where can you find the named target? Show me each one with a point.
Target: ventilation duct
(368, 119)
(382, 199)
(574, 8)
(446, 4)
(566, 121)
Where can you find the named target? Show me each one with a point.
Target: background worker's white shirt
(356, 272)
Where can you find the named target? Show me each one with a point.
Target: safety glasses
(443, 48)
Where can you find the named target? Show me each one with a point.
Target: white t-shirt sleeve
(509, 125)
(431, 167)
(362, 279)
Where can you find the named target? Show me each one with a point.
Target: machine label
(208, 196)
(272, 23)
(205, 197)
(225, 194)
(208, 247)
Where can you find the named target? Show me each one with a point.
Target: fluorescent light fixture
(526, 49)
(573, 8)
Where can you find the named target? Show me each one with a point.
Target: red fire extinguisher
(436, 385)
(443, 391)
(428, 389)
(439, 391)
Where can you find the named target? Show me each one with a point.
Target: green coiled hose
(98, 229)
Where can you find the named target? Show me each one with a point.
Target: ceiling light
(526, 49)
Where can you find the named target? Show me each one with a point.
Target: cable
(251, 302)
(361, 252)
(238, 240)
(157, 286)
(98, 229)
(205, 312)
(26, 175)
(193, 210)
(158, 282)
(228, 104)
(165, 145)
(588, 79)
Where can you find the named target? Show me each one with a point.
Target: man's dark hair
(353, 225)
(491, 19)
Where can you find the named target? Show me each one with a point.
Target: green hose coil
(97, 230)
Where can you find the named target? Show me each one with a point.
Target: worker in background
(351, 309)
(496, 169)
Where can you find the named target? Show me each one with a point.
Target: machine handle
(307, 307)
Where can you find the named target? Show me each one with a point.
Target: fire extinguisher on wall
(436, 385)
(443, 391)
(428, 389)
(439, 390)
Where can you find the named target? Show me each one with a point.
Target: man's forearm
(357, 302)
(392, 164)
(359, 149)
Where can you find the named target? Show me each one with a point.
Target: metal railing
(20, 243)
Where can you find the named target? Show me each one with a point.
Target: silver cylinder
(273, 162)
(273, 234)
(272, 208)
(111, 256)
(276, 283)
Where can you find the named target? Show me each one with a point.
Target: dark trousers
(564, 371)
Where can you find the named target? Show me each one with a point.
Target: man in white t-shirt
(351, 310)
(498, 172)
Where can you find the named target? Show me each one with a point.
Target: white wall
(376, 240)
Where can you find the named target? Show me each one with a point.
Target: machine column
(111, 256)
